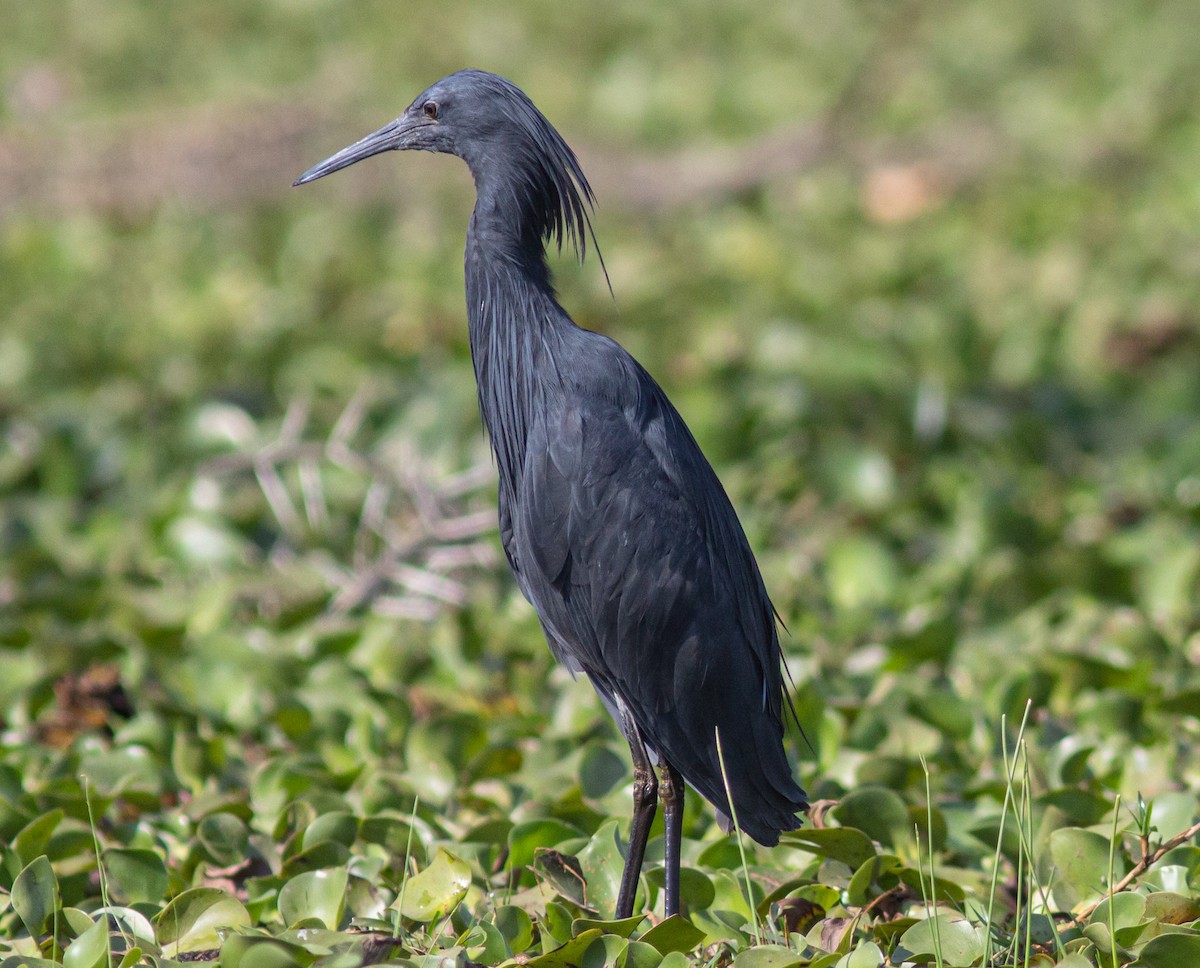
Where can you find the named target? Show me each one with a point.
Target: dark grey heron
(614, 524)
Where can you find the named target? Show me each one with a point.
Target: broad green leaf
(89, 949)
(852, 847)
(135, 875)
(35, 895)
(516, 926)
(675, 933)
(525, 838)
(319, 895)
(767, 956)
(436, 890)
(567, 955)
(224, 837)
(866, 955)
(601, 770)
(952, 937)
(602, 862)
(1171, 908)
(198, 918)
(639, 955)
(1170, 951)
(561, 874)
(33, 837)
(878, 812)
(485, 943)
(877, 875)
(247, 951)
(1126, 908)
(337, 826)
(1081, 859)
(130, 922)
(622, 929)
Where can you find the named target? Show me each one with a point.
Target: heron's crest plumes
(553, 191)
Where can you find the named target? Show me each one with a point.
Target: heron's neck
(514, 322)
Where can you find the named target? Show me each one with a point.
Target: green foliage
(264, 684)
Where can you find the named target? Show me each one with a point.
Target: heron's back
(623, 539)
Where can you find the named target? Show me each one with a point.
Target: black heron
(614, 524)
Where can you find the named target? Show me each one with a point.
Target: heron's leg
(672, 798)
(645, 803)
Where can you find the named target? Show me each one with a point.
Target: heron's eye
(430, 108)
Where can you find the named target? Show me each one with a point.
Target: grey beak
(394, 136)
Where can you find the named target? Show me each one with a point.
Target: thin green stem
(738, 833)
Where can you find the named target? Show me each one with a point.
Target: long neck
(512, 317)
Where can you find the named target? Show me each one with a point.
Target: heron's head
(506, 141)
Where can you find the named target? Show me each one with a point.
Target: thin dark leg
(645, 804)
(672, 798)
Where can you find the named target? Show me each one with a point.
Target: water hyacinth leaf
(131, 957)
(1170, 951)
(570, 954)
(555, 925)
(197, 919)
(319, 895)
(130, 922)
(767, 956)
(951, 937)
(35, 895)
(224, 837)
(874, 877)
(602, 863)
(77, 921)
(622, 929)
(1171, 908)
(525, 838)
(485, 944)
(135, 875)
(562, 875)
(31, 841)
(336, 826)
(247, 951)
(675, 933)
(878, 812)
(516, 926)
(90, 948)
(866, 955)
(1121, 910)
(436, 890)
(608, 949)
(852, 847)
(601, 771)
(639, 955)
(328, 853)
(396, 836)
(122, 770)
(1081, 857)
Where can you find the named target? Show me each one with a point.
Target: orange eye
(430, 108)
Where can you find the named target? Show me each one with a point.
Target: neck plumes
(511, 314)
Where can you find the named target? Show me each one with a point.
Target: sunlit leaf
(436, 890)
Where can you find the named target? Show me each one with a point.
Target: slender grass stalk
(412, 822)
(1112, 857)
(1010, 771)
(101, 874)
(937, 931)
(737, 830)
(1043, 890)
(930, 908)
(1026, 828)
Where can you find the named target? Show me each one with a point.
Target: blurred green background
(921, 276)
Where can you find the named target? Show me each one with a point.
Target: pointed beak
(395, 136)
